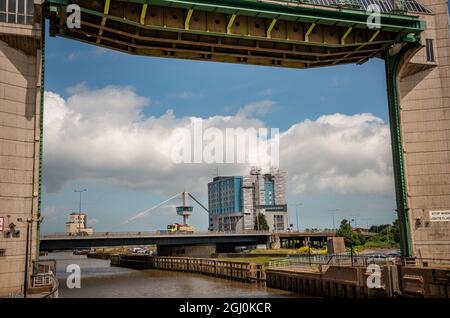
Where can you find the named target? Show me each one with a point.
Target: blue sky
(206, 89)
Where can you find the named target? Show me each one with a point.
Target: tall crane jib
(184, 210)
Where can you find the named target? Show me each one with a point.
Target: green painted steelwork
(392, 69)
(129, 22)
(41, 135)
(329, 16)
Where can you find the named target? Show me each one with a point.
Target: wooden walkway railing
(242, 271)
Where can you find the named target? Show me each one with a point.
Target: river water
(99, 279)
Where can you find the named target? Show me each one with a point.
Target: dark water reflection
(99, 279)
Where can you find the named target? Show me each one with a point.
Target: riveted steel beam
(345, 35)
(198, 32)
(167, 27)
(143, 13)
(329, 16)
(105, 14)
(230, 23)
(270, 28)
(188, 19)
(310, 29)
(371, 40)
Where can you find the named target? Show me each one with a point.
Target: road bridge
(211, 242)
(224, 242)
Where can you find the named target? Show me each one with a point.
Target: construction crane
(184, 210)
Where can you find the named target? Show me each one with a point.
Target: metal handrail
(44, 274)
(54, 292)
(385, 6)
(344, 259)
(152, 233)
(158, 233)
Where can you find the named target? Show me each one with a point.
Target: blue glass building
(235, 198)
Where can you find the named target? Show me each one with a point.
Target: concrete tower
(185, 210)
(423, 83)
(20, 108)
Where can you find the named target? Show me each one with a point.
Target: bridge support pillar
(418, 81)
(204, 250)
(20, 150)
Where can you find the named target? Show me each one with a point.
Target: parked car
(395, 257)
(382, 259)
(241, 249)
(376, 259)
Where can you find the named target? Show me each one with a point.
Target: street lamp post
(25, 278)
(351, 242)
(79, 209)
(309, 252)
(296, 214)
(333, 211)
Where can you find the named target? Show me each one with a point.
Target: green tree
(350, 237)
(378, 228)
(396, 231)
(261, 223)
(387, 235)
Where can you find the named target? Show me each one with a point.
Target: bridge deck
(61, 241)
(68, 242)
(273, 33)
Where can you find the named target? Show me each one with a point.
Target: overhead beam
(310, 29)
(343, 47)
(169, 50)
(188, 19)
(372, 55)
(327, 16)
(105, 14)
(270, 28)
(143, 13)
(230, 23)
(165, 28)
(371, 40)
(255, 48)
(344, 37)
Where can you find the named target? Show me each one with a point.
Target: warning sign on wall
(440, 216)
(2, 221)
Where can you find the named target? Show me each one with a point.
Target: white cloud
(184, 95)
(257, 109)
(346, 154)
(50, 214)
(266, 92)
(100, 51)
(103, 136)
(92, 221)
(77, 89)
(72, 56)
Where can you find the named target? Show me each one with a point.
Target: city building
(235, 201)
(78, 224)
